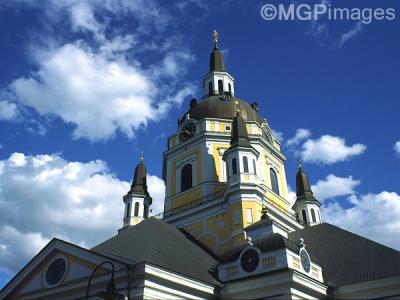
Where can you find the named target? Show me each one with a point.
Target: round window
(249, 260)
(56, 271)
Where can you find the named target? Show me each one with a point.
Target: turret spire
(240, 136)
(218, 81)
(217, 59)
(137, 200)
(139, 182)
(306, 205)
(303, 188)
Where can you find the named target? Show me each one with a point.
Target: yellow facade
(224, 229)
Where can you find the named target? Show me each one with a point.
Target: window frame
(220, 86)
(186, 180)
(128, 210)
(304, 215)
(274, 181)
(234, 166)
(245, 164)
(249, 215)
(136, 209)
(313, 216)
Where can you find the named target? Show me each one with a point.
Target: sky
(87, 86)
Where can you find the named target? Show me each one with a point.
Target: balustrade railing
(200, 201)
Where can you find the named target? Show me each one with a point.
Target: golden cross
(215, 35)
(141, 158)
(299, 165)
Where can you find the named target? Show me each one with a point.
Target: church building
(227, 230)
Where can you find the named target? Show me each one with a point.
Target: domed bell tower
(222, 165)
(137, 200)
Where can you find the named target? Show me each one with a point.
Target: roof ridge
(359, 236)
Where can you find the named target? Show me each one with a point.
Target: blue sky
(85, 87)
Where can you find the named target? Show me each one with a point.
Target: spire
(139, 182)
(239, 136)
(216, 59)
(303, 188)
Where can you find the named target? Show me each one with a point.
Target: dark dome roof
(223, 107)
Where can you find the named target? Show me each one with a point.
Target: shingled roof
(156, 242)
(346, 257)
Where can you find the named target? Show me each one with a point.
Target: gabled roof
(28, 271)
(346, 257)
(161, 244)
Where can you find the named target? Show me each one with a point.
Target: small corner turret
(137, 200)
(240, 157)
(306, 205)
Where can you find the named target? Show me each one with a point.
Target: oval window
(56, 271)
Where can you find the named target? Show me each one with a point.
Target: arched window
(210, 88)
(234, 167)
(186, 177)
(303, 212)
(245, 165)
(146, 211)
(128, 209)
(220, 87)
(136, 212)
(313, 215)
(274, 181)
(254, 167)
(230, 88)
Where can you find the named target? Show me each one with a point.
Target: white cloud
(82, 18)
(278, 135)
(334, 186)
(291, 196)
(98, 95)
(156, 189)
(345, 37)
(44, 196)
(8, 111)
(374, 216)
(99, 84)
(328, 150)
(397, 147)
(301, 135)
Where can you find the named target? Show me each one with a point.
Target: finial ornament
(141, 158)
(215, 35)
(299, 165)
(301, 243)
(237, 107)
(264, 215)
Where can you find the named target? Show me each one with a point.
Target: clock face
(305, 260)
(249, 260)
(187, 131)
